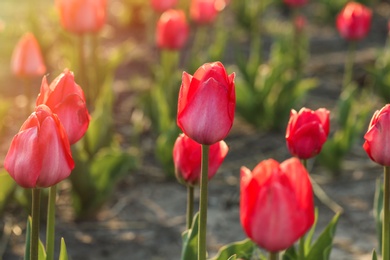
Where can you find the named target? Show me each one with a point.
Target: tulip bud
(206, 104)
(162, 5)
(276, 203)
(27, 59)
(172, 30)
(377, 137)
(354, 21)
(307, 131)
(204, 11)
(39, 155)
(66, 99)
(187, 159)
(82, 16)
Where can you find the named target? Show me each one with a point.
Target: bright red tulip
(295, 3)
(307, 131)
(162, 5)
(354, 21)
(187, 159)
(172, 30)
(206, 104)
(39, 155)
(276, 203)
(27, 59)
(377, 138)
(82, 16)
(204, 11)
(66, 99)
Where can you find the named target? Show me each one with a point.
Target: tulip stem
(50, 227)
(203, 204)
(190, 205)
(273, 255)
(348, 70)
(301, 252)
(35, 210)
(82, 69)
(386, 215)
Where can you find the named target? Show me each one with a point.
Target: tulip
(162, 5)
(172, 30)
(354, 21)
(377, 138)
(39, 155)
(276, 203)
(307, 131)
(206, 104)
(82, 16)
(27, 59)
(204, 11)
(66, 99)
(295, 3)
(187, 159)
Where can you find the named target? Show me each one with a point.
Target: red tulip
(354, 21)
(206, 104)
(377, 138)
(27, 59)
(307, 131)
(66, 99)
(82, 16)
(172, 30)
(203, 11)
(276, 203)
(295, 3)
(162, 5)
(39, 155)
(187, 159)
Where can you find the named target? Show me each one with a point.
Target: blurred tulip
(172, 30)
(39, 155)
(187, 159)
(82, 16)
(204, 11)
(377, 138)
(162, 5)
(295, 3)
(307, 131)
(354, 21)
(66, 99)
(27, 59)
(299, 23)
(206, 104)
(276, 203)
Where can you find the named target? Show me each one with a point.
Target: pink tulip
(276, 203)
(162, 5)
(66, 99)
(39, 155)
(203, 11)
(206, 104)
(172, 30)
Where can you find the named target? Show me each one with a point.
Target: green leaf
(28, 239)
(41, 251)
(243, 249)
(233, 257)
(309, 236)
(374, 256)
(290, 254)
(323, 245)
(378, 206)
(7, 187)
(63, 251)
(190, 241)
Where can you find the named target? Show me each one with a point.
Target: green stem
(35, 210)
(190, 205)
(82, 69)
(348, 69)
(98, 79)
(273, 256)
(203, 204)
(50, 228)
(301, 254)
(386, 215)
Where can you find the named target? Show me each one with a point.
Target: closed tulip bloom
(27, 59)
(354, 21)
(204, 11)
(82, 16)
(162, 5)
(66, 99)
(39, 155)
(172, 30)
(206, 103)
(187, 159)
(295, 3)
(276, 203)
(377, 138)
(307, 131)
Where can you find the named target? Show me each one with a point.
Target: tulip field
(195, 129)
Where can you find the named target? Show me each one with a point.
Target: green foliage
(241, 249)
(7, 188)
(380, 73)
(374, 256)
(63, 250)
(190, 241)
(378, 211)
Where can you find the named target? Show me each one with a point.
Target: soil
(145, 217)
